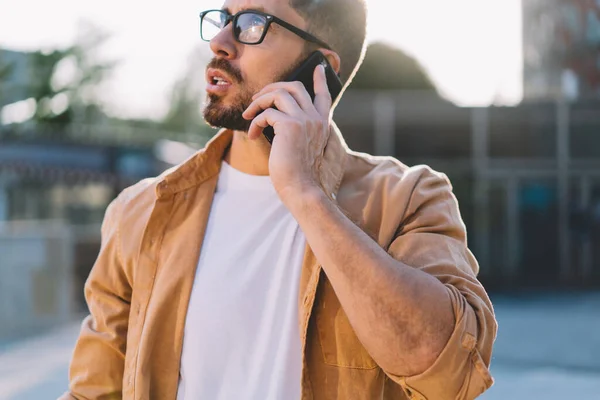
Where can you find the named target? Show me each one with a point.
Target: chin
(220, 113)
(226, 116)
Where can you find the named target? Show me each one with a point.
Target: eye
(251, 27)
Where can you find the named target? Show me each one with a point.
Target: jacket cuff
(459, 371)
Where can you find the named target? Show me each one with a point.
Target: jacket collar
(206, 163)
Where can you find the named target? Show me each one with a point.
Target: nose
(224, 45)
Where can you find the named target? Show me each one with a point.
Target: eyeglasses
(249, 26)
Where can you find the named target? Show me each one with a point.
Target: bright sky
(471, 48)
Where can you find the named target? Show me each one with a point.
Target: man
(300, 270)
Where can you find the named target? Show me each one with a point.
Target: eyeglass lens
(249, 27)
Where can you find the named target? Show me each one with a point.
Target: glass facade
(561, 45)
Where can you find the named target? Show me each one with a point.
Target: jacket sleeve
(96, 370)
(432, 237)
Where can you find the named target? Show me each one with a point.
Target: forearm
(402, 316)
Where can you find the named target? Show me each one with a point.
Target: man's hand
(301, 132)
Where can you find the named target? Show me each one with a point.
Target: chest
(249, 265)
(190, 231)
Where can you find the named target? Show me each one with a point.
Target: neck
(249, 156)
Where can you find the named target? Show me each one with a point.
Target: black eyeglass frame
(270, 19)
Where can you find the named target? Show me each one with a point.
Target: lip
(213, 73)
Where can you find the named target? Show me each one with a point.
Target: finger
(322, 95)
(269, 117)
(296, 89)
(280, 99)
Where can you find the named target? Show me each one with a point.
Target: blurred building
(561, 44)
(54, 190)
(70, 182)
(527, 178)
(47, 176)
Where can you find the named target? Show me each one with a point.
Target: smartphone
(304, 73)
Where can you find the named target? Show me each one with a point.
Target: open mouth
(219, 81)
(216, 77)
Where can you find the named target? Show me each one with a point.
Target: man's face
(245, 69)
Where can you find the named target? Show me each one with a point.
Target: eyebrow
(257, 8)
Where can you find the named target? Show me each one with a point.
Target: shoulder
(381, 194)
(143, 194)
(139, 195)
(391, 176)
(131, 210)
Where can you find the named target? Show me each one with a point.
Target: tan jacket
(139, 288)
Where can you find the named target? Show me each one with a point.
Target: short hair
(342, 24)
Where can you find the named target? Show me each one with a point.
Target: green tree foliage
(8, 68)
(388, 68)
(91, 70)
(77, 87)
(187, 97)
(5, 71)
(43, 66)
(184, 109)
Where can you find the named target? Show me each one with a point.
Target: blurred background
(501, 95)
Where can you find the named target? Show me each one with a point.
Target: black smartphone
(304, 73)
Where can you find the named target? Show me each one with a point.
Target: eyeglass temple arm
(304, 35)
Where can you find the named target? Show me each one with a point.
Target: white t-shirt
(241, 338)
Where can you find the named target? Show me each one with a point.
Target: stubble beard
(219, 115)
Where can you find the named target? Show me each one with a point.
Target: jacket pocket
(339, 344)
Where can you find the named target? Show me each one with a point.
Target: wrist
(301, 198)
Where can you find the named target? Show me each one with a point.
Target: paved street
(37, 368)
(548, 348)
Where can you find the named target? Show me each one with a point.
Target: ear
(333, 58)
